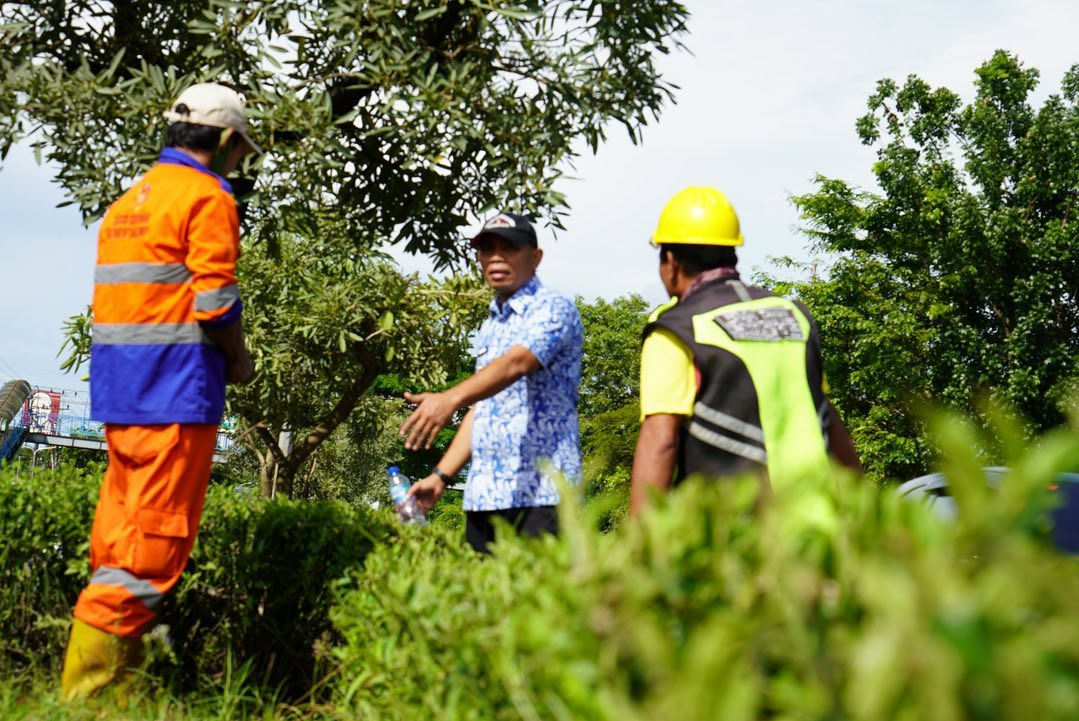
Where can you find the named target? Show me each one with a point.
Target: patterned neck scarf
(707, 277)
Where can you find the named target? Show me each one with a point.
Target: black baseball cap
(510, 226)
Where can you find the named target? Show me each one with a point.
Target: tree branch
(271, 443)
(329, 422)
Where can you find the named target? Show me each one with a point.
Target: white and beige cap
(215, 106)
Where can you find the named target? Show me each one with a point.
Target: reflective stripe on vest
(725, 443)
(728, 422)
(137, 587)
(740, 290)
(141, 273)
(150, 334)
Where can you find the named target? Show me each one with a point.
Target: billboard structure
(41, 413)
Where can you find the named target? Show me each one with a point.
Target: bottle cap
(392, 470)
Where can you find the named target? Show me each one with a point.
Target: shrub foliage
(835, 602)
(257, 590)
(838, 602)
(45, 525)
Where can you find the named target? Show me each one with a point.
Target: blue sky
(768, 99)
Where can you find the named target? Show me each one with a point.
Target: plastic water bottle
(407, 508)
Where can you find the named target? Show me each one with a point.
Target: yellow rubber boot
(95, 659)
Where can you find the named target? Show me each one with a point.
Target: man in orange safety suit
(166, 338)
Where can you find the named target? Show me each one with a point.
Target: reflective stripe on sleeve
(150, 334)
(730, 445)
(140, 589)
(216, 299)
(141, 273)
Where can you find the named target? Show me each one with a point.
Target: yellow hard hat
(698, 215)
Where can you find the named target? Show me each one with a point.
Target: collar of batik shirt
(519, 301)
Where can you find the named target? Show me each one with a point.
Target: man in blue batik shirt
(522, 418)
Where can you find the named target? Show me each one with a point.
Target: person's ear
(537, 256)
(673, 264)
(676, 269)
(228, 139)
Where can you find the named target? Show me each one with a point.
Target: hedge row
(835, 602)
(44, 526)
(257, 589)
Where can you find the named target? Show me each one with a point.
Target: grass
(35, 696)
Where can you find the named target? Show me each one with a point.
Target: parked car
(933, 488)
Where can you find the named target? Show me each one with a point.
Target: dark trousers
(535, 521)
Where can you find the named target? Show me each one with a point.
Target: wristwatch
(446, 477)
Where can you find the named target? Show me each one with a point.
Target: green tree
(323, 331)
(326, 326)
(959, 280)
(398, 121)
(351, 464)
(385, 122)
(611, 358)
(610, 386)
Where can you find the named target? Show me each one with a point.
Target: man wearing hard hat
(166, 339)
(731, 374)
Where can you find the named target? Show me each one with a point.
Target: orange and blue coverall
(167, 252)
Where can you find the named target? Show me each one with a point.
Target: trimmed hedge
(259, 586)
(835, 602)
(257, 589)
(45, 523)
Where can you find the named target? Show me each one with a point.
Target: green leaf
(430, 13)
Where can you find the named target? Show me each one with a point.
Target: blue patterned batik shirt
(533, 421)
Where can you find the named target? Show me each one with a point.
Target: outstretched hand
(433, 411)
